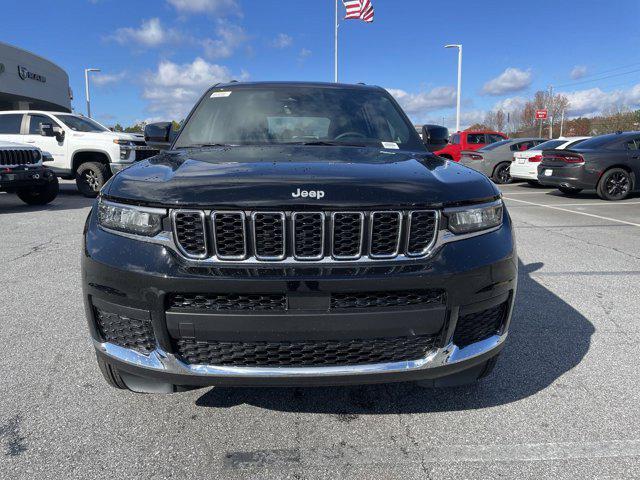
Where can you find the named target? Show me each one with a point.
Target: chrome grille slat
(347, 235)
(421, 228)
(385, 228)
(263, 236)
(269, 237)
(190, 232)
(230, 235)
(308, 235)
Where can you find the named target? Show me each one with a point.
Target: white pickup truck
(82, 149)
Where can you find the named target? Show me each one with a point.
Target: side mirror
(59, 134)
(159, 135)
(46, 130)
(435, 137)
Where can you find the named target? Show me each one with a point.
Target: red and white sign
(541, 114)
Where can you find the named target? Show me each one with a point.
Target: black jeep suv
(297, 234)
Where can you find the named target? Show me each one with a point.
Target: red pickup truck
(469, 140)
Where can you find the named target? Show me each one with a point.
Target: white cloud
(282, 40)
(511, 80)
(510, 104)
(578, 71)
(230, 37)
(103, 79)
(205, 6)
(151, 33)
(173, 89)
(304, 54)
(420, 103)
(593, 101)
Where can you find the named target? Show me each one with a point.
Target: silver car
(495, 159)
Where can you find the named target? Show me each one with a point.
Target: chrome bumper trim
(162, 361)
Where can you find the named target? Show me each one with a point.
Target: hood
(128, 136)
(14, 146)
(278, 176)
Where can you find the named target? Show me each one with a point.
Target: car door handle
(30, 141)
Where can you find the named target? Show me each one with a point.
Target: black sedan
(608, 163)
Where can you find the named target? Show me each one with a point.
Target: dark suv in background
(297, 234)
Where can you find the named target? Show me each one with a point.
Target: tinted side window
(492, 138)
(521, 146)
(36, 121)
(633, 144)
(10, 123)
(455, 139)
(476, 138)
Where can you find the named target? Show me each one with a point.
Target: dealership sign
(25, 73)
(541, 114)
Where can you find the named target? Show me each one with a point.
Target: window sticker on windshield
(220, 94)
(393, 145)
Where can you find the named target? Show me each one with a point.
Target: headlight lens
(475, 219)
(129, 219)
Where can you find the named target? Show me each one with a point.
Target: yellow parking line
(573, 211)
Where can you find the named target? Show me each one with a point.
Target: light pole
(459, 47)
(86, 87)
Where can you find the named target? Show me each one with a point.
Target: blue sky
(158, 56)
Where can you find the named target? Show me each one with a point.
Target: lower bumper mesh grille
(386, 299)
(126, 332)
(228, 301)
(306, 353)
(478, 326)
(243, 302)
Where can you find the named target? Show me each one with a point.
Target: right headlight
(130, 218)
(475, 218)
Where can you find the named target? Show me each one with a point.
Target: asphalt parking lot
(563, 400)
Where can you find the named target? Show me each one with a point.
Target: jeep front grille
(304, 236)
(18, 157)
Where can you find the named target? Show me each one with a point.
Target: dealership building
(28, 81)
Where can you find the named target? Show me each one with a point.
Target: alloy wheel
(91, 179)
(618, 184)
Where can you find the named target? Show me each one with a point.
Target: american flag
(359, 9)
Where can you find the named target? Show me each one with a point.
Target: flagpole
(335, 61)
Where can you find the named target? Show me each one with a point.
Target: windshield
(550, 144)
(81, 124)
(495, 145)
(298, 115)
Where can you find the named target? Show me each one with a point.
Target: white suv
(82, 149)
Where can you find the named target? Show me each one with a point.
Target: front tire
(91, 177)
(501, 174)
(570, 190)
(615, 184)
(40, 194)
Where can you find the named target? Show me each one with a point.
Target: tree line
(521, 122)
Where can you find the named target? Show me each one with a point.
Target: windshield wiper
(205, 145)
(324, 143)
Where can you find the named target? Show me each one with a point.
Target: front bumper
(24, 177)
(136, 279)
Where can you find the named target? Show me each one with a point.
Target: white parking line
(600, 204)
(573, 211)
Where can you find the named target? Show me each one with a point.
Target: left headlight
(130, 219)
(475, 218)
